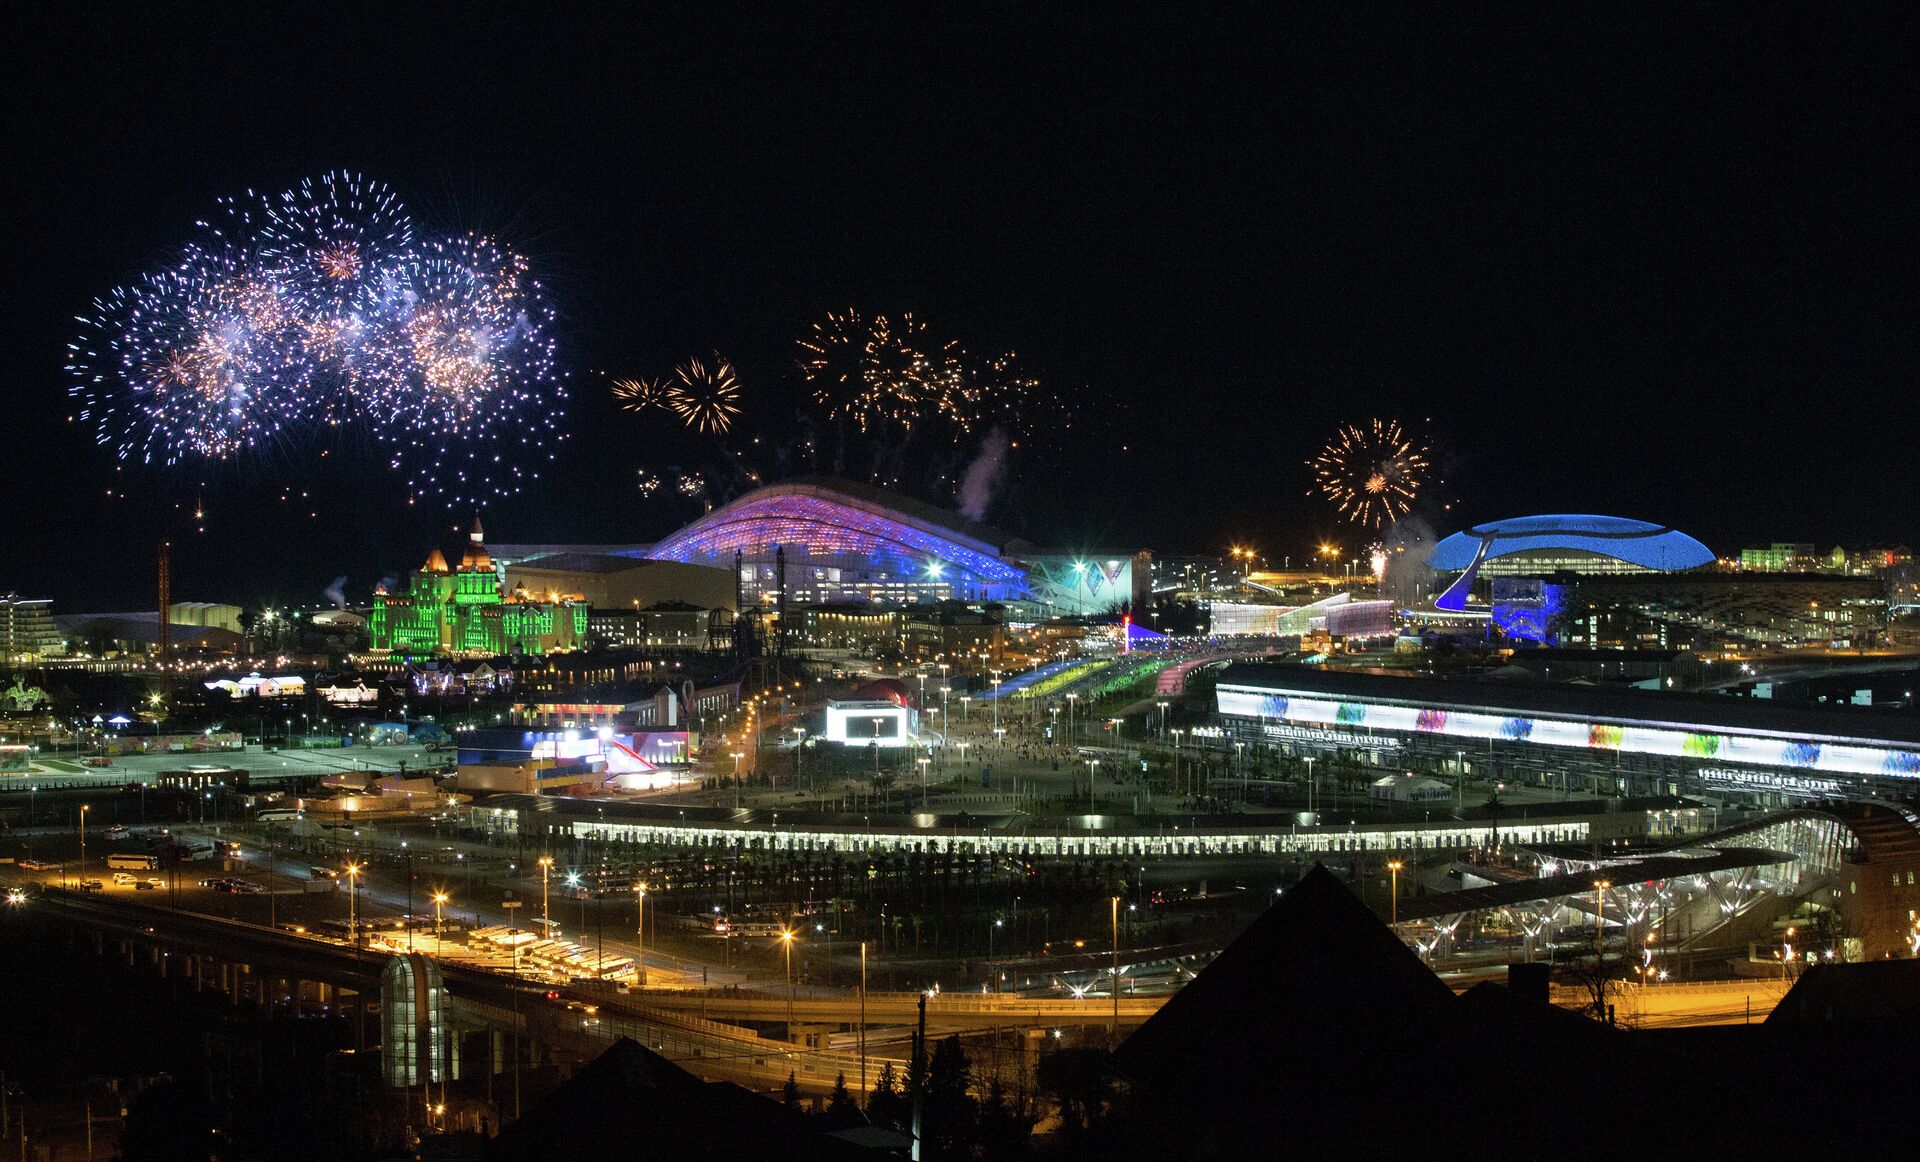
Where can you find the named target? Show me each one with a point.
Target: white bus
(133, 862)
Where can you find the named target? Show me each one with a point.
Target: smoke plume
(983, 476)
(1408, 578)
(337, 592)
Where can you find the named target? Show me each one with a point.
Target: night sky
(1651, 269)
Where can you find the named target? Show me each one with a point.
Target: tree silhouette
(948, 1124)
(1081, 1081)
(886, 1104)
(842, 1111)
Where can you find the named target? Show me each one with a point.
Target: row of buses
(560, 958)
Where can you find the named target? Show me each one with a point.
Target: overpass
(291, 974)
(945, 1010)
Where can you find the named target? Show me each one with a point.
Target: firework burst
(190, 363)
(705, 394)
(462, 385)
(315, 309)
(642, 394)
(328, 238)
(833, 357)
(1372, 473)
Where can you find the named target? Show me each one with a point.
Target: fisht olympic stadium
(838, 540)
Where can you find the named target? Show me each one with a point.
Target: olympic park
(1289, 761)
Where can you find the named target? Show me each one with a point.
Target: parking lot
(265, 766)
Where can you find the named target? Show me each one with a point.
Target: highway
(712, 1049)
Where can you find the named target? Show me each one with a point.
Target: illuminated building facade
(461, 610)
(1614, 741)
(27, 629)
(842, 541)
(1539, 546)
(1338, 616)
(1779, 557)
(872, 723)
(1712, 610)
(1550, 546)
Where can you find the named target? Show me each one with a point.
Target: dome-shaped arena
(1534, 545)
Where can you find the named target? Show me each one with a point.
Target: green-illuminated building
(461, 610)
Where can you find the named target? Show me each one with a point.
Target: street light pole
(1394, 866)
(1599, 940)
(863, 1016)
(1113, 1030)
(992, 985)
(546, 924)
(786, 940)
(640, 965)
(84, 808)
(353, 905)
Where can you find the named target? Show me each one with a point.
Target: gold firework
(637, 395)
(833, 359)
(705, 394)
(1372, 473)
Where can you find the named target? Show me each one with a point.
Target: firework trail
(1372, 473)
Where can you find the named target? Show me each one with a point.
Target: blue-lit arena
(1536, 546)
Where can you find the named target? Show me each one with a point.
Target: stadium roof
(1636, 542)
(823, 515)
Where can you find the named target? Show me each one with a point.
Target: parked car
(92, 886)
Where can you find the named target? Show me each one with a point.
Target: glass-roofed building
(842, 541)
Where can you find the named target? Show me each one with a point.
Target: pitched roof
(632, 1099)
(1872, 992)
(1317, 975)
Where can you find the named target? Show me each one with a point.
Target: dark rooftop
(582, 562)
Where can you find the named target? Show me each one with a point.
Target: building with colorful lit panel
(845, 541)
(1612, 741)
